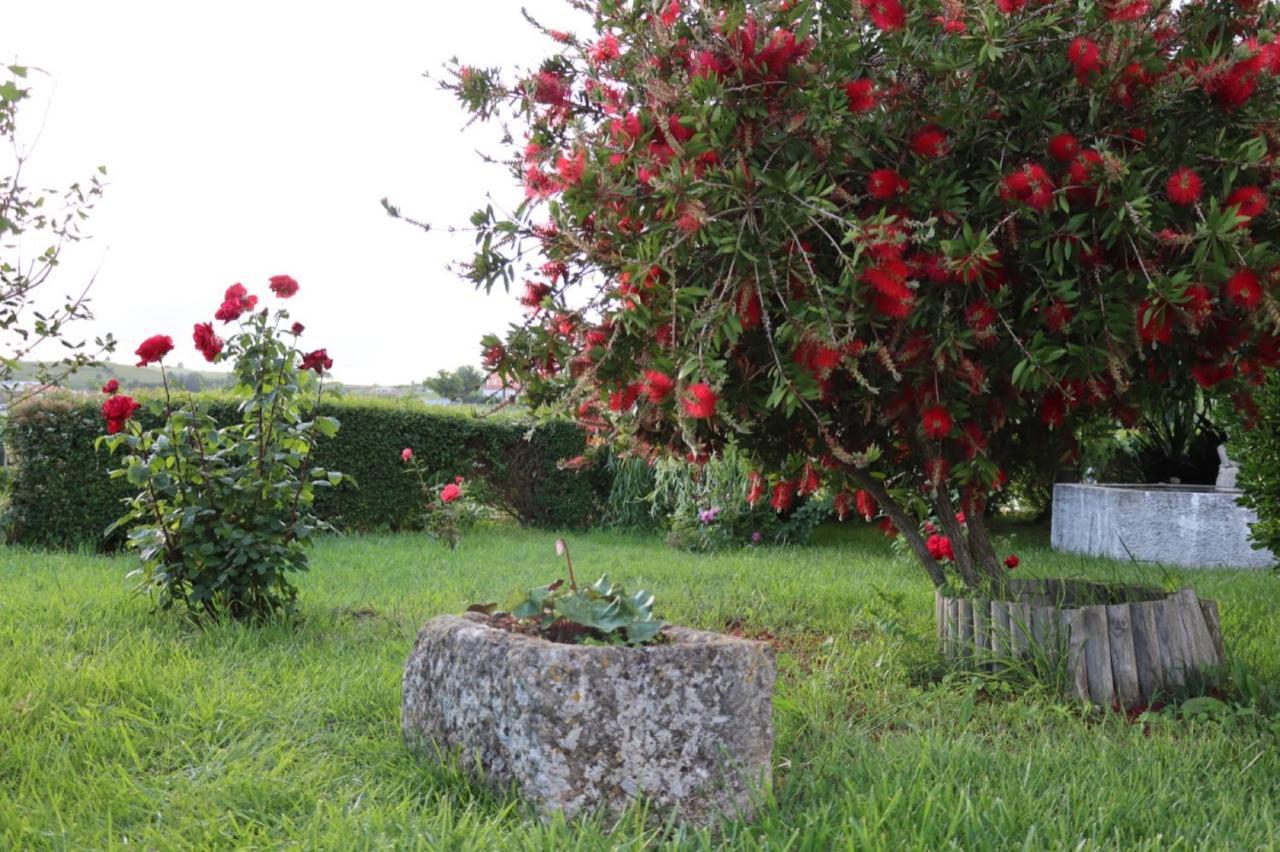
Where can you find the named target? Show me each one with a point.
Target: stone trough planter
(686, 725)
(1187, 525)
(1120, 644)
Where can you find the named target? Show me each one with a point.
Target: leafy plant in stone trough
(602, 612)
(222, 514)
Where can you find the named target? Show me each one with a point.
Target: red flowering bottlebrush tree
(870, 242)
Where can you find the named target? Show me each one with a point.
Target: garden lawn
(122, 727)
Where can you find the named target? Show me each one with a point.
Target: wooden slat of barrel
(1019, 629)
(982, 630)
(1204, 654)
(951, 627)
(1097, 651)
(999, 634)
(1146, 649)
(1124, 662)
(1071, 626)
(1044, 635)
(964, 615)
(940, 620)
(1173, 643)
(1210, 611)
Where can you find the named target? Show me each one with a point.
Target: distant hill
(93, 378)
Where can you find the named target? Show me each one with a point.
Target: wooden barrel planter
(1123, 645)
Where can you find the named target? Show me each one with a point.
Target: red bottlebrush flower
(940, 548)
(700, 402)
(889, 529)
(622, 399)
(935, 422)
(1250, 201)
(1198, 303)
(1234, 88)
(493, 355)
(406, 455)
(783, 493)
(1053, 410)
(1083, 167)
(1184, 187)
(951, 25)
(1209, 376)
(154, 349)
(973, 439)
(1245, 289)
(297, 328)
(670, 14)
(1085, 57)
(116, 410)
(1057, 315)
(755, 488)
(1126, 11)
(689, 221)
(207, 343)
(1031, 185)
(111, 387)
(1011, 561)
(1154, 323)
(862, 95)
(865, 503)
(550, 89)
(1010, 7)
(884, 184)
(810, 481)
(929, 142)
(318, 360)
(534, 294)
(283, 286)
(450, 492)
(1064, 147)
(980, 316)
(843, 504)
(888, 15)
(657, 386)
(750, 311)
(605, 50)
(570, 169)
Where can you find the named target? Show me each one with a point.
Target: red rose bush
(222, 513)
(869, 243)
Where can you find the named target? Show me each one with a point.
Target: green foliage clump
(61, 496)
(1257, 451)
(703, 506)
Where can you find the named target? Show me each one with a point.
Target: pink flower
(406, 455)
(450, 492)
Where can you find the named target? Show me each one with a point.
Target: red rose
(297, 328)
(701, 401)
(1184, 187)
(1012, 561)
(283, 286)
(450, 492)
(116, 410)
(153, 349)
(234, 303)
(318, 360)
(111, 387)
(940, 548)
(208, 343)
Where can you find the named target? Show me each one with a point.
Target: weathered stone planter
(686, 725)
(1187, 525)
(1124, 644)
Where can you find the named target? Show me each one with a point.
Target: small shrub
(1257, 451)
(448, 504)
(222, 513)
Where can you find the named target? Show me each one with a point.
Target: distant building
(496, 390)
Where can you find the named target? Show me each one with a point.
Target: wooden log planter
(1123, 645)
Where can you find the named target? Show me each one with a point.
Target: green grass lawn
(120, 727)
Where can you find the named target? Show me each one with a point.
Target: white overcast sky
(246, 138)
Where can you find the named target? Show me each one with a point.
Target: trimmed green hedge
(60, 494)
